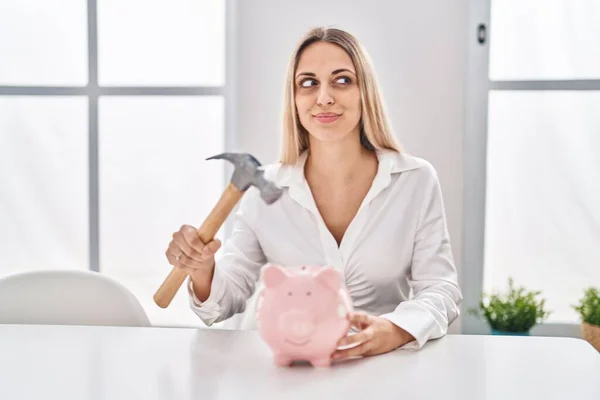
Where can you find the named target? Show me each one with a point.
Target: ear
(273, 275)
(329, 277)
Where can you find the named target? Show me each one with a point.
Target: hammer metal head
(247, 173)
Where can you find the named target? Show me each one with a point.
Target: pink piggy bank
(302, 313)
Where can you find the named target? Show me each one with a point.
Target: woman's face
(327, 94)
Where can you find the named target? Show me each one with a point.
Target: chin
(329, 135)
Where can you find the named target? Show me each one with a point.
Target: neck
(340, 161)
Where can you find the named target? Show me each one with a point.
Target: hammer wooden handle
(206, 232)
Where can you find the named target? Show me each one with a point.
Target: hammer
(246, 174)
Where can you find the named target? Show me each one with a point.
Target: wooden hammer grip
(166, 292)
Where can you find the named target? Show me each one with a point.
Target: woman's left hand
(376, 336)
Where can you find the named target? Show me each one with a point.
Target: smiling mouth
(326, 118)
(296, 343)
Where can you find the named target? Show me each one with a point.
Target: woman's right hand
(186, 251)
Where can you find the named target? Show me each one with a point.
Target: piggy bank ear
(273, 275)
(329, 277)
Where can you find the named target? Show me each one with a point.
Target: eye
(307, 82)
(343, 78)
(289, 293)
(308, 293)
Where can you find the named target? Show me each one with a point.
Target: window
(543, 194)
(544, 40)
(532, 208)
(107, 113)
(44, 174)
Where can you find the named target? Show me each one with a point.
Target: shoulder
(415, 167)
(412, 176)
(415, 181)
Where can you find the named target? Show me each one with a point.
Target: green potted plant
(589, 311)
(513, 313)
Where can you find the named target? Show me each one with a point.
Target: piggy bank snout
(297, 325)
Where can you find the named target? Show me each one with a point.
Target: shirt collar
(390, 162)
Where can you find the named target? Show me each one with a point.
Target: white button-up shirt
(395, 255)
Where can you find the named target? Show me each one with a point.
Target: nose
(324, 96)
(297, 325)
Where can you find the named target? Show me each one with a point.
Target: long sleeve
(236, 270)
(433, 277)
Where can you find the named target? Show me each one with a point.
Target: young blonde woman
(352, 199)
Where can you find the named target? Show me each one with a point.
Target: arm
(236, 270)
(434, 280)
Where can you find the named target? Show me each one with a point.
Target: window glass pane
(544, 39)
(43, 43)
(160, 43)
(543, 195)
(154, 178)
(44, 190)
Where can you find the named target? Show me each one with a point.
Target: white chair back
(68, 297)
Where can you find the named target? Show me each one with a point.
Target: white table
(79, 363)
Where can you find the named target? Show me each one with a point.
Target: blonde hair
(375, 130)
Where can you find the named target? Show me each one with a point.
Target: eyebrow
(337, 71)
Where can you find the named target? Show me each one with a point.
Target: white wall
(419, 52)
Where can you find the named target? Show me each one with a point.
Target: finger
(176, 262)
(200, 260)
(210, 249)
(360, 337)
(181, 240)
(190, 263)
(178, 259)
(174, 250)
(191, 237)
(172, 258)
(357, 351)
(213, 246)
(361, 319)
